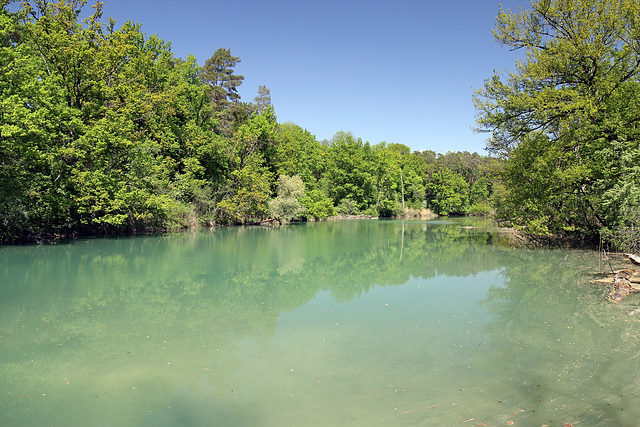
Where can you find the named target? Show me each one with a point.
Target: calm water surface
(340, 323)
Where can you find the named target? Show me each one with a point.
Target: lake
(338, 323)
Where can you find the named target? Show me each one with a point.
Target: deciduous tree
(287, 204)
(447, 193)
(348, 171)
(567, 118)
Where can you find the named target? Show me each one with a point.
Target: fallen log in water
(622, 286)
(633, 257)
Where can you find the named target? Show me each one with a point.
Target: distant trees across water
(104, 131)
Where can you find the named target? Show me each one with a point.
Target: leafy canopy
(567, 118)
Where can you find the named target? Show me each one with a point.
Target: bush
(287, 206)
(347, 206)
(317, 205)
(389, 208)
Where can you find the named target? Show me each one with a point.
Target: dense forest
(104, 131)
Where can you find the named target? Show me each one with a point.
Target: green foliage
(347, 206)
(317, 205)
(447, 193)
(104, 131)
(348, 171)
(286, 205)
(479, 197)
(262, 100)
(481, 173)
(566, 119)
(388, 208)
(400, 178)
(247, 195)
(622, 203)
(218, 73)
(388, 182)
(549, 206)
(297, 152)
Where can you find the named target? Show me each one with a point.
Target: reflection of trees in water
(90, 309)
(238, 265)
(248, 272)
(563, 344)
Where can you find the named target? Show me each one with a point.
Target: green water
(363, 323)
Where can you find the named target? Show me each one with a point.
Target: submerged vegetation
(104, 131)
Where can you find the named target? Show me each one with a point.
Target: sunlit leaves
(348, 171)
(248, 195)
(102, 128)
(565, 118)
(448, 193)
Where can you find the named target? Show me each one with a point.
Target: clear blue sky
(398, 71)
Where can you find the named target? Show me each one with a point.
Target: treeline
(104, 131)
